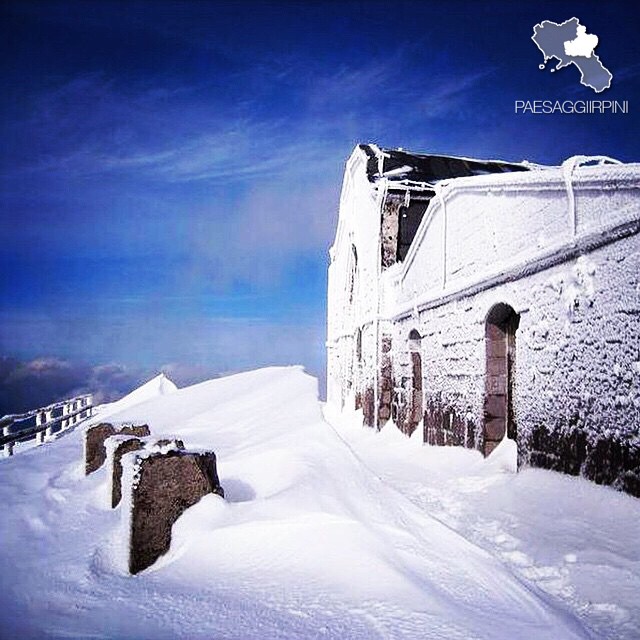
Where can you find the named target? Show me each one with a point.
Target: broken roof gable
(399, 165)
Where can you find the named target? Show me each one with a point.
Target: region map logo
(569, 43)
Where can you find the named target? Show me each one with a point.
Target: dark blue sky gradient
(170, 171)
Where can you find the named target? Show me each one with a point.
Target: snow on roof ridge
(387, 151)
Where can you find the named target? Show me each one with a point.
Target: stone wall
(576, 378)
(559, 247)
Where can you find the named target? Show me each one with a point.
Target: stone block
(124, 446)
(94, 451)
(163, 442)
(94, 438)
(495, 406)
(165, 485)
(139, 430)
(494, 428)
(368, 407)
(489, 446)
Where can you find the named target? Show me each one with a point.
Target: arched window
(415, 340)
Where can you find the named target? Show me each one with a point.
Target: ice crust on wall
(558, 245)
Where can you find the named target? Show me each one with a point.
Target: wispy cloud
(449, 94)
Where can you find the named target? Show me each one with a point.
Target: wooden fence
(45, 423)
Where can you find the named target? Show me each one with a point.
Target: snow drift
(309, 543)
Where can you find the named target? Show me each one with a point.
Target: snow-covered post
(95, 452)
(40, 418)
(8, 447)
(157, 487)
(40, 437)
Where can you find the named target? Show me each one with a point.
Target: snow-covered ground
(328, 531)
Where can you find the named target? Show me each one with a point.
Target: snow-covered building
(478, 300)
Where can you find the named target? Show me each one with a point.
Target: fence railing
(45, 423)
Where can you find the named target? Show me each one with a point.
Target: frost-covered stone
(95, 452)
(553, 251)
(122, 445)
(161, 486)
(119, 445)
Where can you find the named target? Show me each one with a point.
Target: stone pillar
(124, 446)
(94, 451)
(127, 444)
(166, 485)
(7, 448)
(385, 381)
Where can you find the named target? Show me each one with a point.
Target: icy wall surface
(561, 247)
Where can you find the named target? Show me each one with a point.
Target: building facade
(478, 300)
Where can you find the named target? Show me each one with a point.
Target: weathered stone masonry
(515, 312)
(157, 479)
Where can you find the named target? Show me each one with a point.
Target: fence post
(8, 447)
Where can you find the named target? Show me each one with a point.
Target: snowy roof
(399, 165)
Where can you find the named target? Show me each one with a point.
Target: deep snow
(327, 531)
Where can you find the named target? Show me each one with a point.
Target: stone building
(478, 300)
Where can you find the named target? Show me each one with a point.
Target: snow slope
(310, 542)
(158, 386)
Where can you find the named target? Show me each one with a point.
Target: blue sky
(170, 171)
